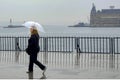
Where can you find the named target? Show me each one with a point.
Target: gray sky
(49, 12)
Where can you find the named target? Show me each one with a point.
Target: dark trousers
(33, 59)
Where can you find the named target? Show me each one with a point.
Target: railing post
(111, 57)
(77, 47)
(45, 43)
(76, 42)
(16, 43)
(17, 49)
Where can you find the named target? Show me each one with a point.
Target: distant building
(105, 17)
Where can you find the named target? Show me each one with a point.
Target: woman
(33, 49)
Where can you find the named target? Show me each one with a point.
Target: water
(64, 31)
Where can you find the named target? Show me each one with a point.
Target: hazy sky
(49, 12)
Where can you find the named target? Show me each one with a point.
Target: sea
(59, 31)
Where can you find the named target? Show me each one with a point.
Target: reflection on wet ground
(65, 60)
(31, 76)
(60, 65)
(19, 72)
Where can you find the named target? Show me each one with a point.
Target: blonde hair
(34, 31)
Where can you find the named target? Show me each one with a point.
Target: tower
(93, 11)
(92, 15)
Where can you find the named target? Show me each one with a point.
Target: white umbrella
(30, 24)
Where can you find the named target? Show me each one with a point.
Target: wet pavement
(61, 66)
(18, 71)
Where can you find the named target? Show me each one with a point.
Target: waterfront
(64, 64)
(65, 31)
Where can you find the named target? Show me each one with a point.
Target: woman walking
(33, 49)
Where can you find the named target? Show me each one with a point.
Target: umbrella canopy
(31, 24)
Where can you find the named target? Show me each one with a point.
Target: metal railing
(83, 51)
(64, 44)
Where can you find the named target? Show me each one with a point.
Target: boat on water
(80, 25)
(13, 26)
